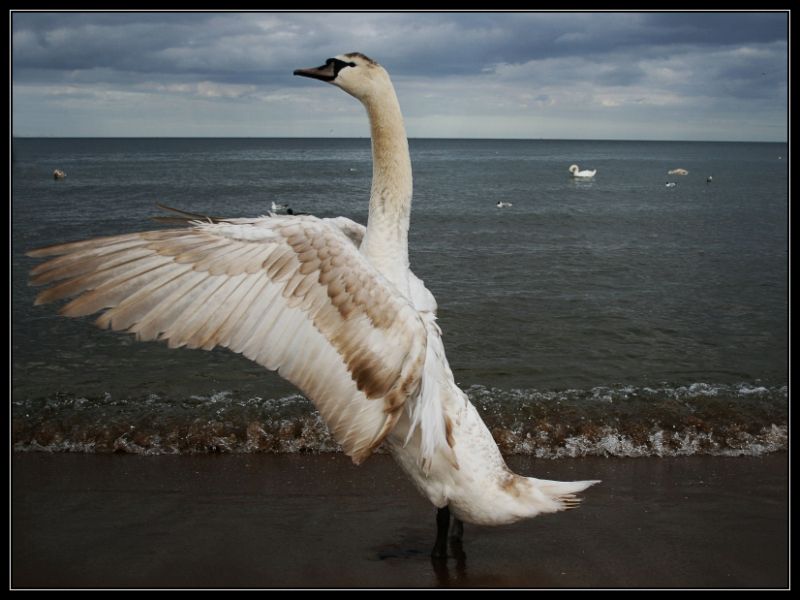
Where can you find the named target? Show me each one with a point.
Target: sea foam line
(624, 420)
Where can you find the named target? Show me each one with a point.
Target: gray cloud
(528, 66)
(419, 43)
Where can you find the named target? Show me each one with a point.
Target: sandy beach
(301, 521)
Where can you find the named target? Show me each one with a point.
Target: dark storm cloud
(570, 62)
(422, 44)
(717, 28)
(132, 43)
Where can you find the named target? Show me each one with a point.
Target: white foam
(617, 420)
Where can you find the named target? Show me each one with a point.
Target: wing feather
(112, 287)
(137, 306)
(150, 327)
(244, 298)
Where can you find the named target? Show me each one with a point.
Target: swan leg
(457, 546)
(442, 527)
(458, 530)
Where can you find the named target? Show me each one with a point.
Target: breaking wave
(624, 421)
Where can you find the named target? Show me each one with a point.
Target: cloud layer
(537, 75)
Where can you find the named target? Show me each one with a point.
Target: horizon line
(543, 139)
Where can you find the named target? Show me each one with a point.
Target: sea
(615, 316)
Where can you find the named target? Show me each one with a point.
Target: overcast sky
(668, 76)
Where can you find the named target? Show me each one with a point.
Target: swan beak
(326, 72)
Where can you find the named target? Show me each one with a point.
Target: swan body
(331, 305)
(585, 174)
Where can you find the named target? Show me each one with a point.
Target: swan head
(573, 169)
(355, 73)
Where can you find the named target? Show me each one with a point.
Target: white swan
(585, 174)
(278, 208)
(333, 307)
(670, 184)
(677, 172)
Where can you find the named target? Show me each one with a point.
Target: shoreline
(317, 521)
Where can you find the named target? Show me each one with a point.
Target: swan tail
(554, 496)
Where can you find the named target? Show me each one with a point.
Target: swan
(678, 172)
(576, 172)
(59, 174)
(670, 184)
(503, 204)
(333, 307)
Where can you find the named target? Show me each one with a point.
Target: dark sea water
(613, 316)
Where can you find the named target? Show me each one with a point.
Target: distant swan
(503, 204)
(678, 172)
(670, 184)
(583, 174)
(59, 174)
(333, 307)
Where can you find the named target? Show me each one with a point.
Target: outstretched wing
(291, 293)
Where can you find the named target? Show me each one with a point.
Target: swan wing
(291, 293)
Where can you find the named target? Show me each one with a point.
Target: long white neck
(385, 243)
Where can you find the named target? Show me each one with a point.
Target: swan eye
(338, 65)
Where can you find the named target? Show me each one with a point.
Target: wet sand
(265, 521)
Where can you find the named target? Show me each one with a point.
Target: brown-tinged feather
(291, 294)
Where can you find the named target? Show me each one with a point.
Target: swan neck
(386, 239)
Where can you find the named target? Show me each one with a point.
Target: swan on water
(503, 204)
(576, 172)
(678, 172)
(670, 184)
(333, 307)
(59, 174)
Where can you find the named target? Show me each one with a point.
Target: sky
(562, 75)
